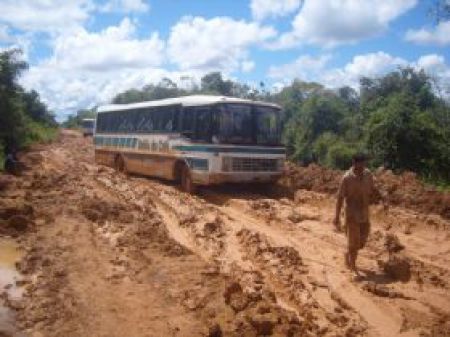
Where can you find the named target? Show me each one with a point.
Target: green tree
(214, 83)
(401, 136)
(317, 114)
(12, 116)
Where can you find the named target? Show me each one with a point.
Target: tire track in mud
(382, 318)
(378, 315)
(234, 251)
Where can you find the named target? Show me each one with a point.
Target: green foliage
(39, 133)
(23, 117)
(407, 126)
(318, 114)
(339, 155)
(213, 83)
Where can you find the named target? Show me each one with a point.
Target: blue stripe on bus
(217, 149)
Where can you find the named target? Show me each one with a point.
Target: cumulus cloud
(45, 15)
(329, 23)
(219, 44)
(126, 6)
(114, 47)
(247, 66)
(365, 65)
(4, 34)
(89, 68)
(305, 67)
(440, 35)
(262, 9)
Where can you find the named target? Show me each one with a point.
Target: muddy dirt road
(109, 255)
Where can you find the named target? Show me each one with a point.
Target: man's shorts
(357, 234)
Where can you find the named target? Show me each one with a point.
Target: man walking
(356, 188)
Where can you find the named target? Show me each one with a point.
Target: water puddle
(9, 255)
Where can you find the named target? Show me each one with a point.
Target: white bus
(87, 125)
(195, 140)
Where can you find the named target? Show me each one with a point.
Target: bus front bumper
(235, 177)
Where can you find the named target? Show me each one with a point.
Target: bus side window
(187, 120)
(203, 124)
(176, 118)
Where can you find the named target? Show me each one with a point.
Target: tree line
(24, 118)
(398, 119)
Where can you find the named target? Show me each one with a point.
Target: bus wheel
(119, 164)
(187, 184)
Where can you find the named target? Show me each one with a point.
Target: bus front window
(268, 131)
(235, 124)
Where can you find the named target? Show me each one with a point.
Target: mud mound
(100, 210)
(382, 290)
(259, 315)
(398, 267)
(16, 216)
(404, 190)
(392, 243)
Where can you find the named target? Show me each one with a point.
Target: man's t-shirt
(357, 191)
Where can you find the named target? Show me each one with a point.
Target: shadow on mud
(221, 194)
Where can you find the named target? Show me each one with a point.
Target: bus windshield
(248, 124)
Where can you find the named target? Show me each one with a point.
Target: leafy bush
(24, 119)
(340, 155)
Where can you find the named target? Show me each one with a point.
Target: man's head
(359, 161)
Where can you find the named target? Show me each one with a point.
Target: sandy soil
(113, 255)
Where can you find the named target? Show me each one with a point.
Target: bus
(194, 140)
(87, 125)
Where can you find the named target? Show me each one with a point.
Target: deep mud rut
(112, 255)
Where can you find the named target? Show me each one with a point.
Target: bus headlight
(226, 164)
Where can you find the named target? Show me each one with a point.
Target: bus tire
(187, 184)
(119, 164)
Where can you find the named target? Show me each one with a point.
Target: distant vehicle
(195, 140)
(88, 125)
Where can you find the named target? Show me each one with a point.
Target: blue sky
(82, 52)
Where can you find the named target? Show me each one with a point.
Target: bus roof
(193, 100)
(88, 119)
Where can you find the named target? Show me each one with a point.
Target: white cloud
(45, 15)
(305, 67)
(90, 68)
(262, 9)
(329, 23)
(366, 65)
(4, 34)
(247, 66)
(310, 68)
(432, 63)
(126, 6)
(440, 35)
(115, 47)
(219, 44)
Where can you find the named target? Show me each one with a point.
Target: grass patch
(38, 133)
(34, 133)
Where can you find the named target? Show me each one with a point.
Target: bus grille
(254, 165)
